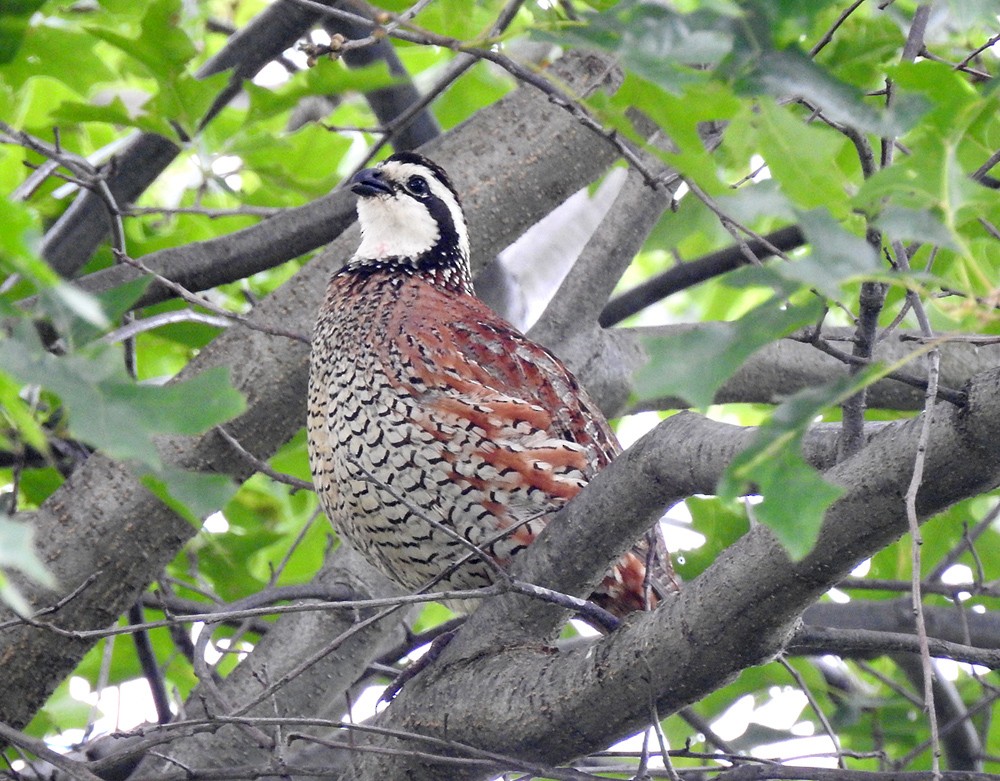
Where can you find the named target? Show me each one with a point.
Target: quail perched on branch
(438, 433)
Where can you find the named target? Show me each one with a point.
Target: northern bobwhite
(425, 403)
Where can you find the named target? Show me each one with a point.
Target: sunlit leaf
(162, 46)
(693, 364)
(795, 496)
(810, 181)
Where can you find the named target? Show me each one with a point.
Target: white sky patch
(862, 569)
(758, 166)
(632, 428)
(227, 168)
(957, 575)
(216, 523)
(838, 596)
(735, 720)
(121, 707)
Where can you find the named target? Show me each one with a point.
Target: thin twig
(136, 327)
(193, 298)
(977, 51)
(828, 35)
(814, 704)
(262, 466)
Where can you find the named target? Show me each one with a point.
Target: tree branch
(740, 612)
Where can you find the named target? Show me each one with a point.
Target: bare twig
(814, 704)
(197, 300)
(828, 35)
(262, 466)
(977, 51)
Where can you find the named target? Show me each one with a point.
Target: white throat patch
(400, 225)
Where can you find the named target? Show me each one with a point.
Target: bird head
(411, 218)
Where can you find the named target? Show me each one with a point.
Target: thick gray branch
(786, 366)
(551, 706)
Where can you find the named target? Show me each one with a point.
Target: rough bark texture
(786, 366)
(550, 706)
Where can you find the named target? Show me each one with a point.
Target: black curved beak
(369, 183)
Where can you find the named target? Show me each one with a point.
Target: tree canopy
(766, 233)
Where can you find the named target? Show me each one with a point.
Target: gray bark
(505, 691)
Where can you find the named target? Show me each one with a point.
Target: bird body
(433, 423)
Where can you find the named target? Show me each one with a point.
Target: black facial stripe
(448, 238)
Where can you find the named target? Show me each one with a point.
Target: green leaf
(17, 551)
(108, 409)
(113, 305)
(185, 99)
(922, 225)
(14, 18)
(811, 180)
(790, 73)
(837, 256)
(161, 46)
(186, 406)
(18, 243)
(17, 412)
(325, 78)
(113, 113)
(653, 41)
(720, 522)
(193, 495)
(795, 496)
(693, 364)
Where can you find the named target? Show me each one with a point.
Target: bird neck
(447, 271)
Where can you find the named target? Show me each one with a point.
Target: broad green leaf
(185, 99)
(837, 255)
(758, 200)
(790, 73)
(721, 522)
(325, 78)
(693, 365)
(795, 496)
(922, 225)
(680, 116)
(795, 499)
(18, 242)
(107, 409)
(161, 46)
(38, 102)
(810, 181)
(14, 409)
(113, 113)
(113, 305)
(653, 41)
(51, 49)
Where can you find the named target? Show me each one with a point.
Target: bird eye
(417, 185)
